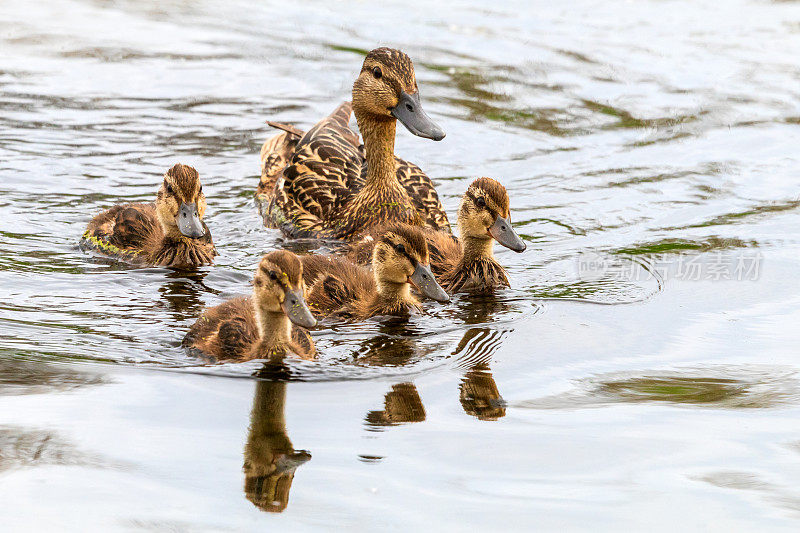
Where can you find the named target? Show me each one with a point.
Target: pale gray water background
(644, 135)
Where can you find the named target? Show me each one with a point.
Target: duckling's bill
(409, 111)
(295, 307)
(423, 279)
(503, 232)
(189, 222)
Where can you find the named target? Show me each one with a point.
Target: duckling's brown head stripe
(287, 263)
(493, 194)
(397, 64)
(414, 246)
(184, 181)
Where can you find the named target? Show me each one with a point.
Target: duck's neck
(395, 294)
(379, 136)
(477, 248)
(268, 410)
(274, 328)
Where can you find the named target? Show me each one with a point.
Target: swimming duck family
(168, 232)
(332, 186)
(325, 184)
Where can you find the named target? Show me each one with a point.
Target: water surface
(641, 373)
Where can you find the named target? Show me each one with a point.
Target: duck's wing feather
(226, 331)
(276, 153)
(124, 229)
(423, 195)
(322, 175)
(335, 282)
(325, 169)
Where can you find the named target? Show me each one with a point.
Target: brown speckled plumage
(328, 189)
(465, 265)
(134, 233)
(231, 331)
(340, 287)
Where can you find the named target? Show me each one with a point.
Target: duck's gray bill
(423, 279)
(504, 233)
(409, 111)
(189, 222)
(294, 305)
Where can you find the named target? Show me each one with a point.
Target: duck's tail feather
(286, 127)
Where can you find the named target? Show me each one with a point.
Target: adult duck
(324, 184)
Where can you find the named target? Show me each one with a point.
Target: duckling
(169, 232)
(399, 259)
(334, 187)
(467, 265)
(261, 325)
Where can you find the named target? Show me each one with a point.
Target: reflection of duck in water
(181, 292)
(269, 458)
(402, 405)
(480, 396)
(478, 392)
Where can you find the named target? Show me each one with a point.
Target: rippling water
(642, 371)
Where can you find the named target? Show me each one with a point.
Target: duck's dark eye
(273, 276)
(200, 191)
(377, 72)
(169, 188)
(400, 248)
(480, 202)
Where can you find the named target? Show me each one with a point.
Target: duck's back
(326, 170)
(123, 231)
(226, 331)
(322, 175)
(336, 284)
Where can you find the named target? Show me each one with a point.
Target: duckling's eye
(480, 202)
(273, 276)
(400, 249)
(377, 72)
(169, 188)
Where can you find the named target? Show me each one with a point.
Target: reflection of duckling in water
(269, 458)
(181, 292)
(480, 396)
(266, 324)
(478, 392)
(401, 405)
